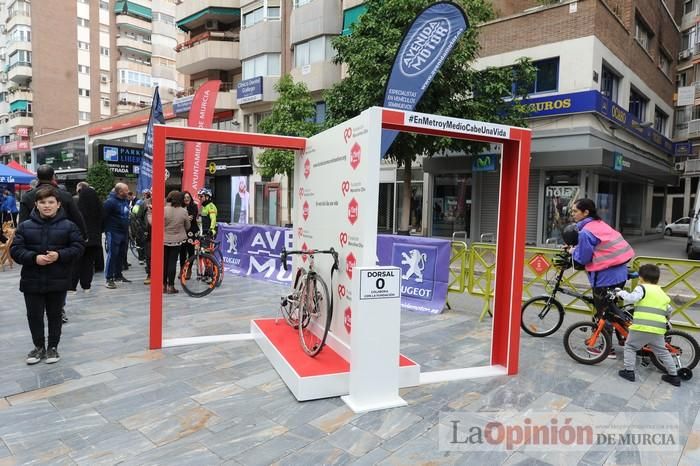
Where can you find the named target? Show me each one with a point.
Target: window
(660, 119)
(688, 7)
(84, 116)
(84, 22)
(320, 114)
(664, 63)
(20, 34)
(313, 51)
(638, 105)
(135, 78)
(682, 79)
(642, 34)
(546, 76)
(83, 69)
(298, 3)
(262, 65)
(258, 15)
(20, 57)
(104, 51)
(104, 5)
(84, 92)
(609, 83)
(163, 18)
(83, 45)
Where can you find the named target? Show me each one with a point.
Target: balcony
(225, 99)
(692, 167)
(133, 22)
(190, 15)
(128, 106)
(21, 17)
(134, 45)
(19, 94)
(317, 18)
(317, 76)
(20, 72)
(134, 66)
(209, 51)
(16, 45)
(21, 119)
(263, 37)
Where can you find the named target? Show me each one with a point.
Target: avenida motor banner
(426, 45)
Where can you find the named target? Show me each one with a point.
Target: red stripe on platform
(286, 340)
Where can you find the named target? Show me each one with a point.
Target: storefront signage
(23, 132)
(15, 146)
(619, 162)
(122, 161)
(182, 104)
(595, 102)
(484, 163)
(249, 90)
(682, 149)
(69, 155)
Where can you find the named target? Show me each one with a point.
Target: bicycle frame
(624, 332)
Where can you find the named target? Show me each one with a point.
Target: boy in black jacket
(46, 244)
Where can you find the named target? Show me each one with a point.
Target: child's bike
(590, 342)
(203, 271)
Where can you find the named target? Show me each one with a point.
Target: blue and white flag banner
(145, 179)
(427, 43)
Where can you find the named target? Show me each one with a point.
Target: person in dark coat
(46, 245)
(91, 209)
(115, 221)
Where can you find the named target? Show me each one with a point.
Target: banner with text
(201, 116)
(145, 170)
(424, 264)
(425, 46)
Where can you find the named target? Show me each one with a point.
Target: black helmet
(570, 235)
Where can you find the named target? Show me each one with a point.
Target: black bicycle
(543, 315)
(309, 307)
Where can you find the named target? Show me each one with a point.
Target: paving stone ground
(112, 401)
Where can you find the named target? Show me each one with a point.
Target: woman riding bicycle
(601, 250)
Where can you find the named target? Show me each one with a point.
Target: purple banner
(254, 251)
(424, 264)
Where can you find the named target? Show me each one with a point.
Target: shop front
(68, 159)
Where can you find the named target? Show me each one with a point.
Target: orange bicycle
(590, 342)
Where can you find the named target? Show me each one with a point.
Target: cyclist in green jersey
(208, 212)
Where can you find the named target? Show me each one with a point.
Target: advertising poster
(558, 203)
(240, 200)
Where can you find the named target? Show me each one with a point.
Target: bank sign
(122, 161)
(595, 102)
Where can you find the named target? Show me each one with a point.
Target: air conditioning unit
(680, 166)
(211, 25)
(683, 54)
(103, 79)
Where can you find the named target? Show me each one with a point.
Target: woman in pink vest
(603, 251)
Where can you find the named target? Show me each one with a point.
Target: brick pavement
(111, 401)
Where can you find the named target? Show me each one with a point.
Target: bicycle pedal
(645, 362)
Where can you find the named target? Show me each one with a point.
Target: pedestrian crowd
(58, 241)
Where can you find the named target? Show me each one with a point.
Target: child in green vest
(651, 313)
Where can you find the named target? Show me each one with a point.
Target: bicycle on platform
(543, 315)
(309, 307)
(590, 342)
(204, 270)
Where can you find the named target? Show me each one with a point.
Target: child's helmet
(570, 235)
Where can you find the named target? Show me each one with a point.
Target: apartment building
(73, 62)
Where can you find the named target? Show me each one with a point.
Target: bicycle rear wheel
(134, 248)
(575, 339)
(316, 315)
(684, 345)
(219, 257)
(200, 275)
(541, 316)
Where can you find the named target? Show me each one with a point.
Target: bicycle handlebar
(311, 252)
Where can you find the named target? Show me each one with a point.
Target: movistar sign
(426, 46)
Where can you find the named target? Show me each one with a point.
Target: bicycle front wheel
(541, 316)
(316, 315)
(684, 346)
(291, 304)
(200, 275)
(577, 343)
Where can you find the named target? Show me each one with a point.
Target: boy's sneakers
(36, 355)
(52, 355)
(672, 379)
(111, 285)
(625, 374)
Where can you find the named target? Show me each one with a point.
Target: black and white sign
(380, 283)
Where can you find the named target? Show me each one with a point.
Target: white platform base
(172, 342)
(462, 374)
(326, 386)
(359, 407)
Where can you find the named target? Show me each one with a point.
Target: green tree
(457, 90)
(292, 115)
(100, 177)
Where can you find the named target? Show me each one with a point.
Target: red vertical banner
(201, 116)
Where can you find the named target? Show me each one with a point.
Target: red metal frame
(510, 239)
(160, 135)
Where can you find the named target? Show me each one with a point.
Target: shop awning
(18, 105)
(124, 7)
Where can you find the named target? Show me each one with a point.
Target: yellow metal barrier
(472, 269)
(680, 279)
